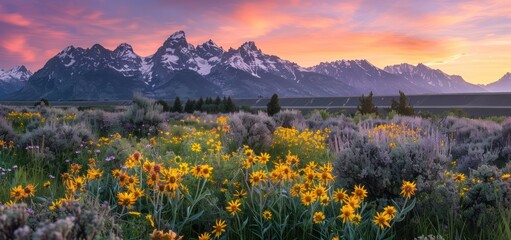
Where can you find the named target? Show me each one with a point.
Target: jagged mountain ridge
(433, 80)
(365, 76)
(179, 68)
(13, 79)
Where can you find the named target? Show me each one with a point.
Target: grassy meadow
(139, 172)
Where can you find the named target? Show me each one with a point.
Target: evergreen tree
(218, 101)
(366, 105)
(189, 106)
(178, 106)
(229, 105)
(166, 107)
(402, 107)
(198, 105)
(273, 106)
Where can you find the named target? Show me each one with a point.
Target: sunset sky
(468, 38)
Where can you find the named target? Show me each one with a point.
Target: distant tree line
(209, 105)
(401, 107)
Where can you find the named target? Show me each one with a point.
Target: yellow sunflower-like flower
(18, 193)
(196, 147)
(324, 200)
(318, 217)
(136, 191)
(326, 173)
(240, 193)
(354, 202)
(390, 210)
(29, 190)
(147, 166)
(56, 204)
(381, 219)
(459, 177)
(340, 195)
(408, 189)
(347, 213)
(263, 158)
(75, 168)
(248, 152)
(258, 177)
(219, 228)
(233, 207)
(206, 171)
(78, 184)
(360, 192)
(205, 236)
(173, 178)
(126, 199)
(133, 180)
(267, 215)
(308, 198)
(93, 173)
(506, 176)
(197, 170)
(296, 189)
(319, 191)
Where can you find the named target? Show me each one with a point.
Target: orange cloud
(18, 45)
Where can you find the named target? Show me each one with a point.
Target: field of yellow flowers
(189, 180)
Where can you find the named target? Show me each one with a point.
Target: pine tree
(164, 104)
(366, 105)
(402, 107)
(189, 106)
(198, 105)
(273, 106)
(178, 107)
(229, 105)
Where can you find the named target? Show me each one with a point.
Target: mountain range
(179, 68)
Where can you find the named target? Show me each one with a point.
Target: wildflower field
(138, 172)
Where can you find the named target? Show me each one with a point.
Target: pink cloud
(18, 45)
(303, 31)
(15, 19)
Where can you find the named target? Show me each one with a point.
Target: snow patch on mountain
(15, 74)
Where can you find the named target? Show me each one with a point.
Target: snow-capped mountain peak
(15, 74)
(13, 79)
(178, 67)
(68, 51)
(176, 40)
(249, 46)
(250, 59)
(178, 35)
(209, 49)
(399, 68)
(125, 51)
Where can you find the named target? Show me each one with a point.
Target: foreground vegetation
(143, 173)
